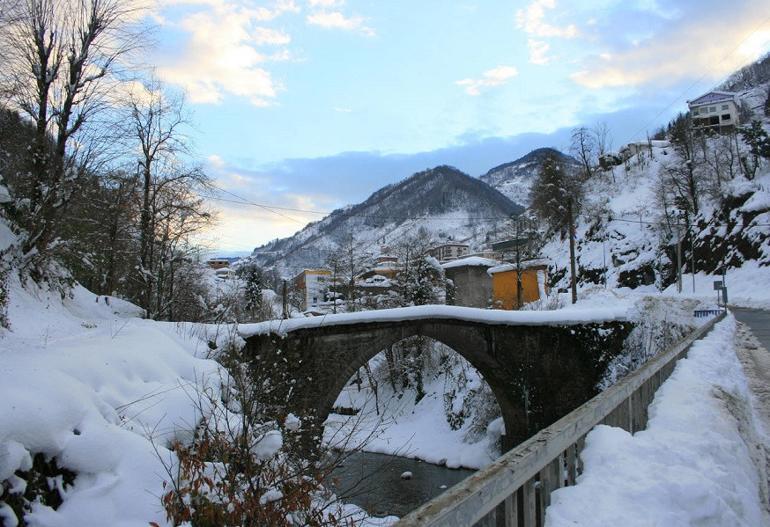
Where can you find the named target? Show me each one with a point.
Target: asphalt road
(758, 321)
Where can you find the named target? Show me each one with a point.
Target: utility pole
(519, 296)
(604, 259)
(573, 278)
(334, 285)
(285, 301)
(691, 234)
(678, 257)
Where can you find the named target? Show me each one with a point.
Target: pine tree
(254, 283)
(551, 190)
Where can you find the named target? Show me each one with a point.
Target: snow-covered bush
(243, 466)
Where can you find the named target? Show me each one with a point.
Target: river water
(373, 482)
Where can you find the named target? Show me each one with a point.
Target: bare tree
(602, 139)
(155, 128)
(60, 60)
(583, 147)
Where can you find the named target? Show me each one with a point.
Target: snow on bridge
(492, 317)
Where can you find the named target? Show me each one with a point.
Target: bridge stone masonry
(539, 365)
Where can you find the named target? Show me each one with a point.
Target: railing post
(528, 504)
(512, 510)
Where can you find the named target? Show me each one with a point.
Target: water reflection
(373, 482)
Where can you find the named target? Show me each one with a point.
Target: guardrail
(515, 490)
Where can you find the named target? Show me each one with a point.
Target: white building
(449, 251)
(312, 284)
(715, 109)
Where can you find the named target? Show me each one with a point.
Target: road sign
(718, 285)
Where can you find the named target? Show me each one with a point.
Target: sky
(315, 104)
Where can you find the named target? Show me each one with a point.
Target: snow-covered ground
(104, 392)
(95, 387)
(695, 464)
(748, 286)
(407, 429)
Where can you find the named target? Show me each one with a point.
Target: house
(312, 285)
(632, 149)
(472, 285)
(449, 251)
(225, 273)
(218, 263)
(534, 278)
(716, 110)
(385, 265)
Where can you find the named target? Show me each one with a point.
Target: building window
(695, 111)
(724, 107)
(712, 109)
(725, 116)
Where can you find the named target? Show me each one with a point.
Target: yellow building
(534, 278)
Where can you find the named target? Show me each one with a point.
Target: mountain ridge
(514, 179)
(448, 203)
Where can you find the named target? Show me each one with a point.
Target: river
(373, 482)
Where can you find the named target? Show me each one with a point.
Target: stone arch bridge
(539, 365)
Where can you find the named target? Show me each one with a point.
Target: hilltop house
(311, 285)
(714, 110)
(534, 279)
(634, 148)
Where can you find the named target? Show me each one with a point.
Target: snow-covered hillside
(515, 179)
(449, 205)
(630, 219)
(91, 399)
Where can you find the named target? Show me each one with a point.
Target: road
(752, 348)
(758, 321)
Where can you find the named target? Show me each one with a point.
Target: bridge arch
(504, 391)
(537, 372)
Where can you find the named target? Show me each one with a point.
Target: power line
(697, 81)
(261, 206)
(363, 215)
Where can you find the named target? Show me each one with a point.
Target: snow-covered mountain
(449, 204)
(514, 179)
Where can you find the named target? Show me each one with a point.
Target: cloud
(221, 54)
(532, 20)
(682, 49)
(337, 20)
(325, 3)
(538, 51)
(495, 77)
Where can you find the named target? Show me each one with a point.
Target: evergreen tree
(419, 280)
(254, 283)
(550, 192)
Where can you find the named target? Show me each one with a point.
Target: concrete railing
(516, 489)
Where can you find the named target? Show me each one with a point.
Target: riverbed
(374, 483)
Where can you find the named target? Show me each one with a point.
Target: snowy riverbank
(84, 381)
